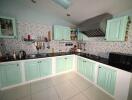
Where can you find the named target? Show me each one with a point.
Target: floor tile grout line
(57, 94)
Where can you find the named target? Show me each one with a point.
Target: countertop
(85, 55)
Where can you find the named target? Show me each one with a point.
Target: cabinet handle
(65, 58)
(17, 64)
(99, 67)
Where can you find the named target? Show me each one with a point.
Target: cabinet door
(58, 32)
(69, 62)
(89, 69)
(60, 64)
(80, 67)
(107, 79)
(10, 74)
(80, 36)
(32, 70)
(116, 29)
(45, 67)
(66, 33)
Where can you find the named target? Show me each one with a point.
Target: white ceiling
(80, 9)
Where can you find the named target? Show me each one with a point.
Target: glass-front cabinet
(7, 27)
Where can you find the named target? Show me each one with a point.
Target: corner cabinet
(38, 68)
(10, 74)
(86, 68)
(107, 79)
(7, 27)
(116, 29)
(64, 63)
(61, 32)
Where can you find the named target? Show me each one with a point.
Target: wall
(98, 46)
(36, 31)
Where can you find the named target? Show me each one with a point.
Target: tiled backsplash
(98, 46)
(35, 30)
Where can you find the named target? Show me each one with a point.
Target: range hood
(96, 26)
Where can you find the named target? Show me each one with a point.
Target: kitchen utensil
(22, 54)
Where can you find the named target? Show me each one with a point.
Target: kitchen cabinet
(45, 67)
(10, 74)
(32, 70)
(82, 37)
(86, 68)
(64, 63)
(38, 68)
(61, 32)
(107, 79)
(7, 27)
(116, 29)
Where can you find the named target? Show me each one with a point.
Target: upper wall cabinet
(61, 32)
(116, 29)
(7, 27)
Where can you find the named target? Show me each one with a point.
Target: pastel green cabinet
(89, 71)
(7, 27)
(86, 68)
(64, 63)
(10, 74)
(116, 29)
(61, 32)
(107, 79)
(32, 70)
(38, 68)
(45, 67)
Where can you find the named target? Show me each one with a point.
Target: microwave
(121, 61)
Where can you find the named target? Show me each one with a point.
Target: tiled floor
(68, 86)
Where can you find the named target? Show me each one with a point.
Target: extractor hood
(96, 26)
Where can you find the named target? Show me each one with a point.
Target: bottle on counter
(14, 55)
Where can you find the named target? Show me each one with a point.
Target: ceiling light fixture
(64, 3)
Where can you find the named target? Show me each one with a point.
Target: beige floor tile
(93, 93)
(70, 75)
(81, 83)
(66, 91)
(41, 85)
(25, 98)
(16, 93)
(48, 94)
(80, 96)
(59, 80)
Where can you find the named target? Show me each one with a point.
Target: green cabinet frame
(64, 63)
(38, 68)
(107, 79)
(10, 74)
(61, 32)
(116, 29)
(7, 27)
(86, 68)
(45, 67)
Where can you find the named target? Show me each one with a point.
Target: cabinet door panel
(60, 64)
(10, 74)
(107, 79)
(80, 65)
(32, 70)
(58, 32)
(66, 33)
(45, 67)
(69, 62)
(90, 70)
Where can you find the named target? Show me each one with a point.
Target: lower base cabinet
(86, 68)
(64, 63)
(10, 74)
(38, 68)
(107, 79)
(32, 70)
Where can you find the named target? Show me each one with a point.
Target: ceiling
(80, 10)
